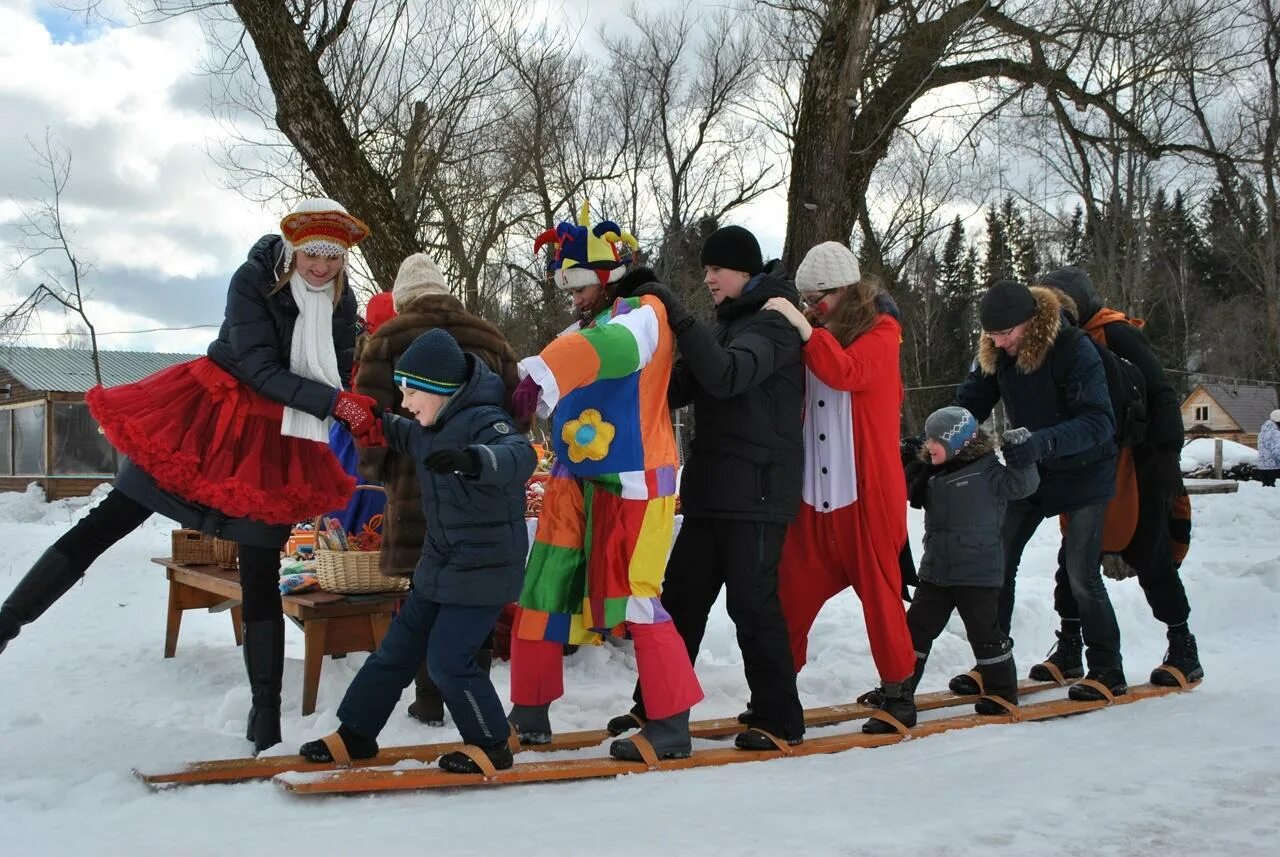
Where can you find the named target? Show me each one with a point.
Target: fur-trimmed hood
(1036, 342)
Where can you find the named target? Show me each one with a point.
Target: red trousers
(824, 554)
(667, 680)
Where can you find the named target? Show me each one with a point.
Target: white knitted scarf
(311, 354)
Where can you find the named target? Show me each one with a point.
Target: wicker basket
(226, 553)
(354, 572)
(192, 547)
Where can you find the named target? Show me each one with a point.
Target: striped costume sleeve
(616, 348)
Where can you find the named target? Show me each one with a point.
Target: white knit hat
(418, 275)
(1275, 416)
(827, 266)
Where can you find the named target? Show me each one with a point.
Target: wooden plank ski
(240, 770)
(415, 778)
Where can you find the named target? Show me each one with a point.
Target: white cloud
(145, 203)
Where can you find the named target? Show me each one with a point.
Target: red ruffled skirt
(208, 438)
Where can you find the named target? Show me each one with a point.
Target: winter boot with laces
(999, 676)
(898, 700)
(1066, 656)
(1182, 655)
(669, 737)
(1112, 678)
(532, 723)
(874, 698)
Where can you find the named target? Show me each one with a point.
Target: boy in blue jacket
(473, 465)
(964, 490)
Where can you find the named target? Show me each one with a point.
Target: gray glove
(1114, 567)
(1015, 436)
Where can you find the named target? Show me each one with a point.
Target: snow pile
(1199, 453)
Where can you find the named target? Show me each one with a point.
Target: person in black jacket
(472, 464)
(741, 482)
(1158, 474)
(1072, 442)
(235, 444)
(964, 491)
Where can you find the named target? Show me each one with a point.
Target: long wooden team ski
(406, 778)
(265, 767)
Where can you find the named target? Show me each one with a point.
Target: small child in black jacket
(964, 490)
(473, 465)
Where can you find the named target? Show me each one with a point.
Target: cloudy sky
(146, 203)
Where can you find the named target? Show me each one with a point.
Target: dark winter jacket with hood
(253, 345)
(1074, 424)
(476, 539)
(745, 379)
(964, 501)
(1126, 339)
(403, 526)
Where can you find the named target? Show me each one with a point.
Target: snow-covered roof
(1250, 405)
(70, 370)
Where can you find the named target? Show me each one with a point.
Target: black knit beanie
(735, 248)
(1006, 304)
(432, 363)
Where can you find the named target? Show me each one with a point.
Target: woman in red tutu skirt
(235, 444)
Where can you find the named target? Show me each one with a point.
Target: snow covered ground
(85, 695)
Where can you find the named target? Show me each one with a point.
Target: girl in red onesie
(853, 521)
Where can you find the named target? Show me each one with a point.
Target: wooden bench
(331, 624)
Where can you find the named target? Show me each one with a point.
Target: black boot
(965, 684)
(47, 581)
(999, 676)
(899, 700)
(1182, 655)
(1067, 655)
(428, 705)
(875, 697)
(264, 662)
(669, 737)
(357, 746)
(624, 723)
(460, 763)
(1111, 678)
(532, 723)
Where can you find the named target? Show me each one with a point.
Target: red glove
(374, 436)
(356, 412)
(524, 399)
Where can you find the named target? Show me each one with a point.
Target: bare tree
(44, 241)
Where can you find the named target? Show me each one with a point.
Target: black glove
(454, 460)
(1025, 453)
(909, 449)
(678, 318)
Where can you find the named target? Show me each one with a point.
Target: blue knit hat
(432, 363)
(952, 426)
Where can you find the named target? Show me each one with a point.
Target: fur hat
(829, 265)
(952, 426)
(433, 363)
(734, 248)
(587, 255)
(418, 275)
(320, 226)
(1275, 415)
(1006, 304)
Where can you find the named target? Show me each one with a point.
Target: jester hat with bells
(322, 227)
(585, 254)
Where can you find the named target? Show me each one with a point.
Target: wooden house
(1230, 411)
(47, 435)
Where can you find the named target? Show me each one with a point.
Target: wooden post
(1217, 458)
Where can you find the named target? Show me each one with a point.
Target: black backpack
(1125, 382)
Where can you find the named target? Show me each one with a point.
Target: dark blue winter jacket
(476, 541)
(1074, 424)
(257, 333)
